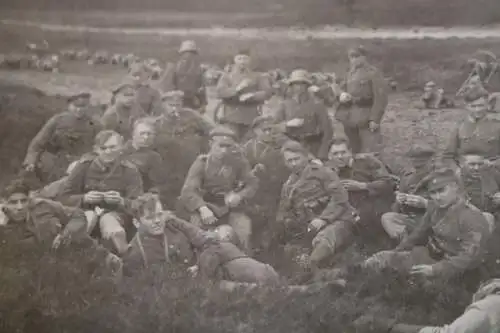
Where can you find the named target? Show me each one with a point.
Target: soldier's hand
(416, 201)
(193, 270)
(243, 84)
(401, 197)
(373, 126)
(207, 216)
(316, 225)
(93, 197)
(345, 97)
(295, 122)
(114, 263)
(353, 185)
(313, 89)
(29, 167)
(421, 271)
(246, 97)
(114, 198)
(232, 199)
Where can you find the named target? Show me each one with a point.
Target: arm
(156, 173)
(72, 192)
(418, 235)
(191, 196)
(339, 198)
(225, 88)
(203, 124)
(380, 97)
(40, 141)
(155, 108)
(196, 236)
(472, 321)
(134, 187)
(264, 90)
(382, 181)
(327, 130)
(250, 181)
(109, 120)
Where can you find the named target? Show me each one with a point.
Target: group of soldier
(105, 178)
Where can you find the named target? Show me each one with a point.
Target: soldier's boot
(320, 253)
(242, 226)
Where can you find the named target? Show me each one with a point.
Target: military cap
(358, 51)
(421, 150)
(188, 46)
(121, 87)
(224, 132)
(172, 95)
(294, 146)
(440, 178)
(84, 95)
(299, 76)
(262, 121)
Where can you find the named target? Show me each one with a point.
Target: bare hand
(415, 201)
(243, 84)
(93, 197)
(316, 225)
(313, 89)
(353, 185)
(295, 122)
(29, 167)
(345, 97)
(421, 271)
(207, 216)
(193, 271)
(246, 97)
(401, 198)
(232, 199)
(373, 126)
(114, 263)
(114, 198)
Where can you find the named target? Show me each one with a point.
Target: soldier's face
(242, 61)
(473, 164)
(356, 60)
(126, 97)
(79, 105)
(139, 77)
(110, 150)
(478, 108)
(445, 196)
(221, 147)
(341, 154)
(173, 104)
(298, 88)
(16, 207)
(152, 220)
(143, 135)
(296, 162)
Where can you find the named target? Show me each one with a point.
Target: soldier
(314, 200)
(411, 199)
(125, 110)
(364, 103)
(481, 316)
(220, 259)
(303, 118)
(148, 97)
(187, 76)
(139, 151)
(155, 242)
(242, 92)
(454, 233)
(473, 89)
(182, 135)
(218, 184)
(365, 178)
(104, 186)
(481, 183)
(62, 140)
(433, 97)
(476, 132)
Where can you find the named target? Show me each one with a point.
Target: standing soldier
(62, 140)
(313, 201)
(182, 135)
(303, 118)
(242, 92)
(363, 104)
(477, 132)
(121, 115)
(187, 76)
(218, 184)
(148, 97)
(104, 186)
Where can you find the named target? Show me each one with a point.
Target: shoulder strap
(141, 248)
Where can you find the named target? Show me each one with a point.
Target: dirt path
(329, 32)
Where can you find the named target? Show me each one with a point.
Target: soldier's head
(139, 73)
(173, 100)
(242, 60)
(16, 200)
(125, 95)
(264, 128)
(298, 82)
(188, 47)
(108, 146)
(80, 102)
(478, 108)
(420, 154)
(472, 162)
(144, 132)
(222, 143)
(340, 152)
(295, 155)
(149, 210)
(357, 56)
(444, 187)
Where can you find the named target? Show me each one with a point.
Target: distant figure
(434, 98)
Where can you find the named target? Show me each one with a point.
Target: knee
(387, 219)
(111, 226)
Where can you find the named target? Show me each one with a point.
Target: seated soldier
(104, 186)
(481, 183)
(218, 184)
(453, 232)
(220, 259)
(481, 316)
(411, 200)
(140, 153)
(155, 243)
(434, 98)
(366, 179)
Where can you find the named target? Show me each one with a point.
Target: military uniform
(62, 140)
(149, 99)
(482, 135)
(207, 183)
(121, 119)
(377, 198)
(237, 114)
(316, 193)
(221, 260)
(368, 89)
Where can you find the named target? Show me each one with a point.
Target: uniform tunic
(121, 119)
(149, 99)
